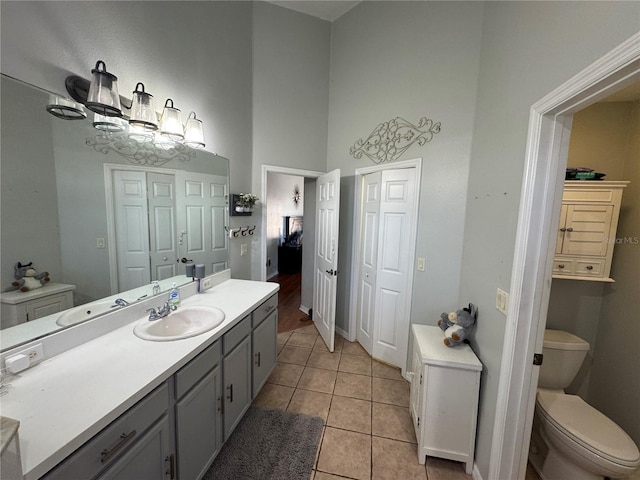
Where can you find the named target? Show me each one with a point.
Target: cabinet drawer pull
(569, 229)
(589, 267)
(107, 453)
(561, 265)
(563, 229)
(269, 308)
(257, 355)
(172, 466)
(230, 396)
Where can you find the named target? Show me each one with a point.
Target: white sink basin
(85, 312)
(185, 322)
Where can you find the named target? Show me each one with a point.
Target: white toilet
(570, 438)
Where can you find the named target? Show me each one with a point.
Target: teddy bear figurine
(27, 278)
(456, 325)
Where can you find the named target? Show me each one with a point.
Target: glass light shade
(65, 109)
(140, 134)
(163, 142)
(193, 132)
(108, 124)
(171, 122)
(143, 112)
(103, 97)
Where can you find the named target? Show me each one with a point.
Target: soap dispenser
(156, 287)
(174, 296)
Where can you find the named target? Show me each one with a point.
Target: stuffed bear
(456, 325)
(27, 278)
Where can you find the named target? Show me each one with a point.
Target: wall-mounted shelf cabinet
(587, 230)
(235, 207)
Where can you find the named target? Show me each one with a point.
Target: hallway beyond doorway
(290, 316)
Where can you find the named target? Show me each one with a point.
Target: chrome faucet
(121, 302)
(161, 312)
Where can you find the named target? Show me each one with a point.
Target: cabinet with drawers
(20, 307)
(587, 230)
(445, 383)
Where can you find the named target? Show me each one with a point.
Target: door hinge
(418, 421)
(537, 358)
(420, 379)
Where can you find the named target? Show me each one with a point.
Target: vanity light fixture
(65, 109)
(108, 124)
(103, 97)
(143, 112)
(171, 122)
(193, 132)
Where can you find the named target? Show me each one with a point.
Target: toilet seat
(587, 427)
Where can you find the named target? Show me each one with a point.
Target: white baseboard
(304, 309)
(475, 474)
(272, 275)
(342, 333)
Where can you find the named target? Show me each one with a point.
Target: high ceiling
(327, 10)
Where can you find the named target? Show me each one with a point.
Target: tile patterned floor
(368, 432)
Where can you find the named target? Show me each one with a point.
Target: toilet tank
(563, 355)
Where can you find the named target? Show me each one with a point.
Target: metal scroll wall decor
(140, 153)
(391, 139)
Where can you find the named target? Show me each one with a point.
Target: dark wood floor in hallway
(290, 316)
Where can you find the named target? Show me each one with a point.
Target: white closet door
(365, 312)
(162, 225)
(397, 228)
(132, 229)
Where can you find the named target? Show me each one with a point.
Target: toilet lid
(588, 427)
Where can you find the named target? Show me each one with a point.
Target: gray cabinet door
(199, 426)
(149, 458)
(264, 340)
(237, 385)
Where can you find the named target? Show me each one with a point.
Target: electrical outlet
(25, 358)
(243, 249)
(100, 242)
(206, 283)
(502, 301)
(421, 262)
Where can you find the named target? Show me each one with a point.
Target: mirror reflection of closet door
(132, 229)
(162, 225)
(145, 225)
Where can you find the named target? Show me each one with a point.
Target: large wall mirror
(99, 214)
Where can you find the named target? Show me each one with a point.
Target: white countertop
(435, 352)
(65, 400)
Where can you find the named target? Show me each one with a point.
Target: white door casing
(326, 255)
(394, 266)
(366, 293)
(162, 225)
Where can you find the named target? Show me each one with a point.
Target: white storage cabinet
(20, 307)
(444, 397)
(587, 230)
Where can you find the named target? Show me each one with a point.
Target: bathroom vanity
(120, 407)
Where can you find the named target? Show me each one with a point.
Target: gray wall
(528, 49)
(290, 94)
(410, 59)
(28, 191)
(205, 67)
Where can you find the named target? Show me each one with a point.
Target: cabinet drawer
(234, 336)
(589, 267)
(564, 266)
(116, 439)
(197, 368)
(260, 313)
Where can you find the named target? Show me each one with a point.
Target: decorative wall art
(391, 139)
(140, 153)
(296, 196)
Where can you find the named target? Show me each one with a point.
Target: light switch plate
(243, 249)
(421, 262)
(502, 301)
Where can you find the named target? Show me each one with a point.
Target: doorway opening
(287, 245)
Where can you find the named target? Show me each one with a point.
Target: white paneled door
(132, 229)
(388, 229)
(202, 209)
(162, 225)
(326, 255)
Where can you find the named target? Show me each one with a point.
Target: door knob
(330, 272)
(185, 260)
